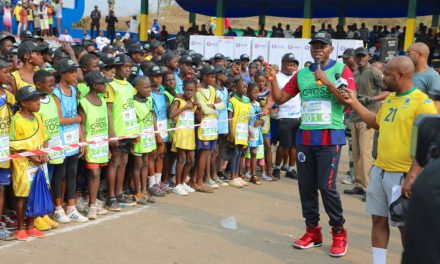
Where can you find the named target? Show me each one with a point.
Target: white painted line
(61, 229)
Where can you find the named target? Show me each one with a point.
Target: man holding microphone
(319, 139)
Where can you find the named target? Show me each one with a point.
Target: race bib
(31, 172)
(255, 133)
(316, 113)
(4, 148)
(209, 127)
(266, 125)
(99, 149)
(71, 137)
(130, 119)
(186, 119)
(148, 137)
(242, 131)
(54, 142)
(162, 125)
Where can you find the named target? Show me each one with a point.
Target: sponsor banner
(243, 45)
(197, 44)
(260, 47)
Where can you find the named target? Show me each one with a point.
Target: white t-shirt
(101, 42)
(291, 108)
(66, 38)
(134, 25)
(59, 11)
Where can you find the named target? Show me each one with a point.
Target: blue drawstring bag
(39, 202)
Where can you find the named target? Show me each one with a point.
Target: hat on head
(288, 57)
(245, 57)
(154, 70)
(219, 56)
(95, 77)
(118, 34)
(229, 59)
(168, 56)
(323, 37)
(154, 45)
(347, 53)
(107, 60)
(186, 59)
(4, 37)
(59, 53)
(121, 59)
(219, 69)
(135, 48)
(26, 34)
(361, 51)
(28, 93)
(207, 69)
(66, 65)
(108, 48)
(29, 46)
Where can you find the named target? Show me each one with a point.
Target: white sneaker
(221, 183)
(93, 210)
(80, 204)
(243, 182)
(180, 190)
(211, 184)
(75, 216)
(236, 183)
(188, 188)
(248, 175)
(265, 177)
(348, 181)
(61, 217)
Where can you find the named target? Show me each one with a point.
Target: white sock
(379, 255)
(70, 209)
(58, 208)
(290, 168)
(151, 181)
(158, 177)
(278, 167)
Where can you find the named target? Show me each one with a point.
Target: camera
(425, 143)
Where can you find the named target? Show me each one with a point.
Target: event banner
(260, 47)
(243, 45)
(197, 44)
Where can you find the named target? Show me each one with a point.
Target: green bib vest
(124, 114)
(144, 113)
(319, 108)
(171, 123)
(51, 120)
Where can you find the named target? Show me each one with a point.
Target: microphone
(340, 83)
(318, 67)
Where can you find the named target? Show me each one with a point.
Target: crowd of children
(176, 126)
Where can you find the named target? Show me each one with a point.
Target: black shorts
(125, 145)
(287, 129)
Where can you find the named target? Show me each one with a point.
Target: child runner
(122, 122)
(239, 110)
(27, 132)
(182, 110)
(88, 62)
(45, 82)
(264, 93)
(7, 100)
(256, 138)
(67, 104)
(207, 132)
(143, 104)
(94, 127)
(155, 185)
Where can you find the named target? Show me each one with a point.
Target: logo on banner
(275, 46)
(257, 45)
(342, 48)
(244, 45)
(307, 47)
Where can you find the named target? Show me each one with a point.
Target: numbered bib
(130, 120)
(54, 142)
(316, 113)
(71, 137)
(186, 119)
(148, 137)
(162, 125)
(4, 148)
(242, 131)
(99, 149)
(209, 127)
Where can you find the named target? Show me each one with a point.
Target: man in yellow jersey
(393, 166)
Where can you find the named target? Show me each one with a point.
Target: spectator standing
(66, 37)
(7, 17)
(22, 24)
(17, 9)
(44, 19)
(364, 33)
(50, 11)
(288, 32)
(95, 16)
(340, 32)
(262, 33)
(111, 21)
(203, 31)
(181, 39)
(59, 15)
(30, 17)
(164, 34)
(230, 33)
(117, 43)
(133, 25)
(156, 26)
(101, 40)
(37, 20)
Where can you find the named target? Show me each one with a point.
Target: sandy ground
(187, 230)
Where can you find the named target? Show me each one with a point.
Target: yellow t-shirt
(396, 118)
(19, 82)
(5, 120)
(25, 134)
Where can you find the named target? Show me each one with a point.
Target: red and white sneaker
(312, 238)
(340, 243)
(8, 222)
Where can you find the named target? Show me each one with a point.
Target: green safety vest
(49, 112)
(96, 126)
(171, 123)
(124, 114)
(144, 113)
(320, 109)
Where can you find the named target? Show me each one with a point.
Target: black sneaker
(292, 174)
(284, 168)
(276, 173)
(355, 190)
(124, 200)
(112, 205)
(222, 176)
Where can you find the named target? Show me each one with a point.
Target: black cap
(107, 60)
(288, 57)
(348, 53)
(229, 59)
(219, 56)
(219, 69)
(29, 46)
(245, 57)
(323, 37)
(27, 93)
(108, 48)
(155, 44)
(121, 59)
(66, 65)
(97, 53)
(361, 51)
(146, 47)
(154, 70)
(59, 53)
(4, 37)
(26, 35)
(135, 48)
(207, 69)
(95, 77)
(168, 56)
(186, 59)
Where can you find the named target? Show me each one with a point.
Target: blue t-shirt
(427, 82)
(222, 117)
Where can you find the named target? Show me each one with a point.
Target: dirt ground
(187, 230)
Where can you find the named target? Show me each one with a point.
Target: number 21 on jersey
(391, 114)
